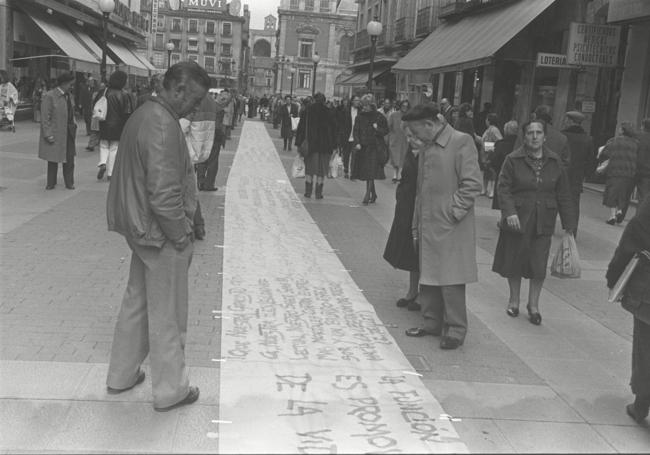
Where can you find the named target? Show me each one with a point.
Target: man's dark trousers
(207, 170)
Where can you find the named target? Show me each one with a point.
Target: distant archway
(262, 48)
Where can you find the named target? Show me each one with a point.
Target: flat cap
(576, 116)
(64, 77)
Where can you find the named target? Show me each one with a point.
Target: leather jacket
(152, 195)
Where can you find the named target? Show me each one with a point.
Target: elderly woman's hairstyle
(525, 126)
(628, 129)
(369, 100)
(511, 128)
(492, 119)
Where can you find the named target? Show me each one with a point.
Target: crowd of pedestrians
(159, 148)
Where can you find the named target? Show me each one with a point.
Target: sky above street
(260, 9)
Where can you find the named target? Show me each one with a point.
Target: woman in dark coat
(400, 251)
(316, 126)
(533, 187)
(120, 107)
(502, 148)
(636, 299)
(621, 151)
(370, 128)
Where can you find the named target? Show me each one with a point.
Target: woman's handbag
(616, 293)
(294, 123)
(566, 262)
(303, 148)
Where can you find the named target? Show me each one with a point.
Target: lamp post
(106, 7)
(315, 58)
(374, 29)
(293, 73)
(283, 59)
(170, 47)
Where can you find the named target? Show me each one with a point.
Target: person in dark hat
(58, 132)
(582, 157)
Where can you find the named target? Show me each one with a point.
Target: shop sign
(588, 107)
(154, 16)
(593, 44)
(552, 60)
(199, 5)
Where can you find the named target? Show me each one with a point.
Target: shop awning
(126, 56)
(473, 40)
(67, 42)
(360, 79)
(143, 59)
(90, 44)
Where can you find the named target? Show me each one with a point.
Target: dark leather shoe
(414, 306)
(450, 343)
(534, 318)
(209, 188)
(191, 397)
(619, 217)
(611, 221)
(401, 303)
(50, 187)
(635, 414)
(512, 312)
(199, 233)
(138, 381)
(70, 187)
(101, 172)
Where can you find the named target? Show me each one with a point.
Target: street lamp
(315, 58)
(293, 73)
(106, 7)
(374, 29)
(170, 47)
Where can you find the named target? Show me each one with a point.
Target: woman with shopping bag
(533, 188)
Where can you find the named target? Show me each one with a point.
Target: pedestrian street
(307, 364)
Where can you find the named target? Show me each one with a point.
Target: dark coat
(317, 126)
(368, 160)
(85, 102)
(54, 122)
(120, 106)
(502, 148)
(622, 154)
(583, 157)
(400, 251)
(285, 120)
(521, 193)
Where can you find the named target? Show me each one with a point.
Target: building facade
(262, 73)
(518, 54)
(308, 27)
(405, 23)
(42, 38)
(213, 34)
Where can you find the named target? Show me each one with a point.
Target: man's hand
(50, 139)
(357, 147)
(513, 222)
(183, 243)
(375, 126)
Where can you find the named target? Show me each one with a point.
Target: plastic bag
(566, 262)
(298, 167)
(335, 162)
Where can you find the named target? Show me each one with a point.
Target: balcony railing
(404, 29)
(423, 24)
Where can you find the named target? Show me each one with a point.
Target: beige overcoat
(449, 179)
(54, 122)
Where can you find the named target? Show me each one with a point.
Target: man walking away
(351, 113)
(581, 148)
(643, 162)
(151, 202)
(444, 229)
(58, 132)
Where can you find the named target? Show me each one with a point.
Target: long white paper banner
(306, 365)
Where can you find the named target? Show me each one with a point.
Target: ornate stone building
(307, 27)
(262, 64)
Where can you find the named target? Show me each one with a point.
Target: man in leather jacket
(151, 202)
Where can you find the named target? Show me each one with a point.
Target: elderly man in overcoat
(449, 180)
(58, 132)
